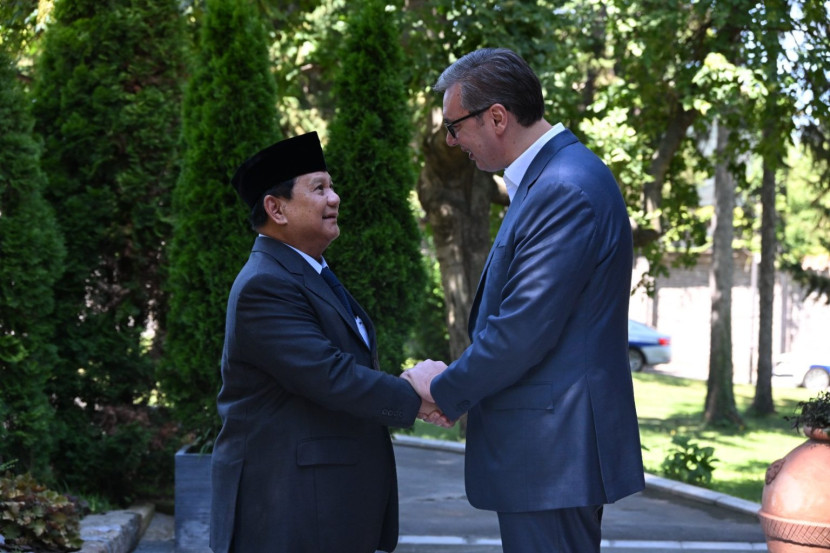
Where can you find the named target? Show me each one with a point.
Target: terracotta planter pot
(795, 507)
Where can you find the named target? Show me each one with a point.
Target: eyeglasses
(451, 125)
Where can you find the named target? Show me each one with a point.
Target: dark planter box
(192, 509)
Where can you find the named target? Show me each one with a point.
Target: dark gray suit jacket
(546, 379)
(304, 460)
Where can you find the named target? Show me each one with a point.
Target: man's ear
(499, 115)
(275, 208)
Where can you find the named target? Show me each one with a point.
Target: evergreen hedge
(377, 255)
(229, 115)
(32, 251)
(107, 97)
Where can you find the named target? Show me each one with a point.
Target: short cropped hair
(496, 76)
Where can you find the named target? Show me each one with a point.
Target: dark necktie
(335, 285)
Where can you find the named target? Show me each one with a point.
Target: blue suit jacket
(546, 381)
(304, 461)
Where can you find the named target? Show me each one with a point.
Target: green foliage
(377, 254)
(32, 251)
(814, 412)
(305, 44)
(33, 516)
(106, 101)
(17, 25)
(123, 453)
(628, 76)
(108, 95)
(668, 406)
(806, 216)
(815, 282)
(804, 208)
(430, 336)
(689, 462)
(556, 39)
(228, 115)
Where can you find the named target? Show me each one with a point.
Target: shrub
(431, 339)
(127, 453)
(106, 100)
(228, 115)
(32, 516)
(378, 253)
(32, 255)
(814, 412)
(689, 462)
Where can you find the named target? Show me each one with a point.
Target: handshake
(420, 377)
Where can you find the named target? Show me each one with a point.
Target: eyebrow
(320, 180)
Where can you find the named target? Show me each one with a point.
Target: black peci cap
(277, 163)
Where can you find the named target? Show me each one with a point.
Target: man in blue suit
(552, 430)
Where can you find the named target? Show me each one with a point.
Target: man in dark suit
(304, 461)
(552, 431)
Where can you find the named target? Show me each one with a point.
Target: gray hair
(496, 76)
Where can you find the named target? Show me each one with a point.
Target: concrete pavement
(668, 517)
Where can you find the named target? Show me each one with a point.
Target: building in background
(681, 306)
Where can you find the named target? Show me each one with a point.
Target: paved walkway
(668, 517)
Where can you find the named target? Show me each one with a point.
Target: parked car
(810, 371)
(646, 346)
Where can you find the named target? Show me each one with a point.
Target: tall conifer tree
(377, 254)
(32, 251)
(107, 103)
(229, 114)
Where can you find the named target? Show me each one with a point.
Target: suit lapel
(548, 152)
(506, 225)
(299, 267)
(545, 155)
(316, 284)
(367, 321)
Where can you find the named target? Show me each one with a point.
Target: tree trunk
(720, 399)
(763, 404)
(456, 197)
(670, 143)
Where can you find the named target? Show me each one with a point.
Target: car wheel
(636, 361)
(816, 379)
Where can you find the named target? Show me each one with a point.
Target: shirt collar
(515, 172)
(316, 265)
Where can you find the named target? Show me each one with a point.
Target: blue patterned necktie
(338, 289)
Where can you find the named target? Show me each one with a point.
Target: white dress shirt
(515, 172)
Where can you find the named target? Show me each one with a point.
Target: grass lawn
(669, 405)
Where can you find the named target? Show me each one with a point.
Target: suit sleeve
(539, 282)
(278, 331)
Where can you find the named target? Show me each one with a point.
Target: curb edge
(115, 531)
(687, 491)
(120, 531)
